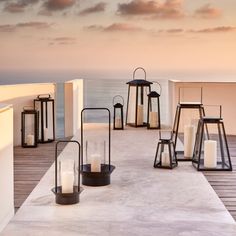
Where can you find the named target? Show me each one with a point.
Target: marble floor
(141, 200)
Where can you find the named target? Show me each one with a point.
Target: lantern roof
(139, 82)
(153, 94)
(118, 105)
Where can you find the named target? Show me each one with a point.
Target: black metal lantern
(153, 113)
(45, 105)
(165, 153)
(67, 177)
(118, 118)
(96, 169)
(137, 100)
(29, 127)
(211, 151)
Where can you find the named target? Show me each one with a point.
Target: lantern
(45, 105)
(118, 119)
(211, 151)
(165, 153)
(96, 168)
(137, 100)
(29, 127)
(67, 176)
(189, 130)
(153, 113)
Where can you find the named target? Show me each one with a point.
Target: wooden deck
(31, 164)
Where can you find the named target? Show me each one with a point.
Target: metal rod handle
(117, 97)
(140, 68)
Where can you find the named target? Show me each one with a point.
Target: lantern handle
(28, 108)
(56, 148)
(44, 96)
(159, 85)
(119, 97)
(140, 68)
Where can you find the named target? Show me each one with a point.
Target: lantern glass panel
(190, 95)
(118, 118)
(29, 128)
(132, 105)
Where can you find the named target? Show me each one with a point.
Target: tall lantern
(29, 127)
(153, 113)
(45, 105)
(96, 168)
(211, 151)
(118, 118)
(67, 176)
(137, 100)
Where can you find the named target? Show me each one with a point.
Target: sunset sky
(118, 35)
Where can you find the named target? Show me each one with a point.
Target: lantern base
(102, 178)
(67, 198)
(159, 165)
(180, 156)
(219, 166)
(29, 146)
(136, 126)
(47, 141)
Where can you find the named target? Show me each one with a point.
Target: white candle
(140, 115)
(45, 134)
(165, 159)
(95, 163)
(153, 119)
(67, 181)
(189, 140)
(210, 154)
(30, 139)
(118, 123)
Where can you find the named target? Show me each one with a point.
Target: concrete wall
(22, 95)
(219, 93)
(6, 165)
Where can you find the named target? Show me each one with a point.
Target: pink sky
(118, 35)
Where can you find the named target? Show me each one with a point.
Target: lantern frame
(103, 177)
(27, 110)
(118, 106)
(45, 99)
(66, 198)
(138, 83)
(197, 161)
(154, 95)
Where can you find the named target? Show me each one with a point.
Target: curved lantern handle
(44, 96)
(159, 85)
(56, 148)
(117, 97)
(140, 68)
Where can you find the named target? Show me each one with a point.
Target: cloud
(167, 9)
(29, 25)
(171, 31)
(219, 29)
(99, 7)
(116, 27)
(18, 6)
(57, 5)
(207, 11)
(62, 41)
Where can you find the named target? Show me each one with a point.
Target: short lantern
(45, 105)
(153, 113)
(137, 101)
(29, 127)
(118, 118)
(96, 168)
(67, 176)
(211, 151)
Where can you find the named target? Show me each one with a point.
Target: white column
(210, 154)
(95, 163)
(189, 140)
(153, 119)
(30, 139)
(140, 115)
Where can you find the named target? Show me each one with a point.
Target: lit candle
(118, 123)
(140, 115)
(189, 140)
(210, 154)
(153, 119)
(45, 134)
(67, 181)
(165, 159)
(30, 139)
(95, 163)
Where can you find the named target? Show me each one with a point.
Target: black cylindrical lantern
(67, 177)
(95, 168)
(29, 127)
(211, 151)
(137, 100)
(45, 105)
(153, 113)
(118, 118)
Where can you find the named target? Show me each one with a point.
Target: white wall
(22, 95)
(6, 165)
